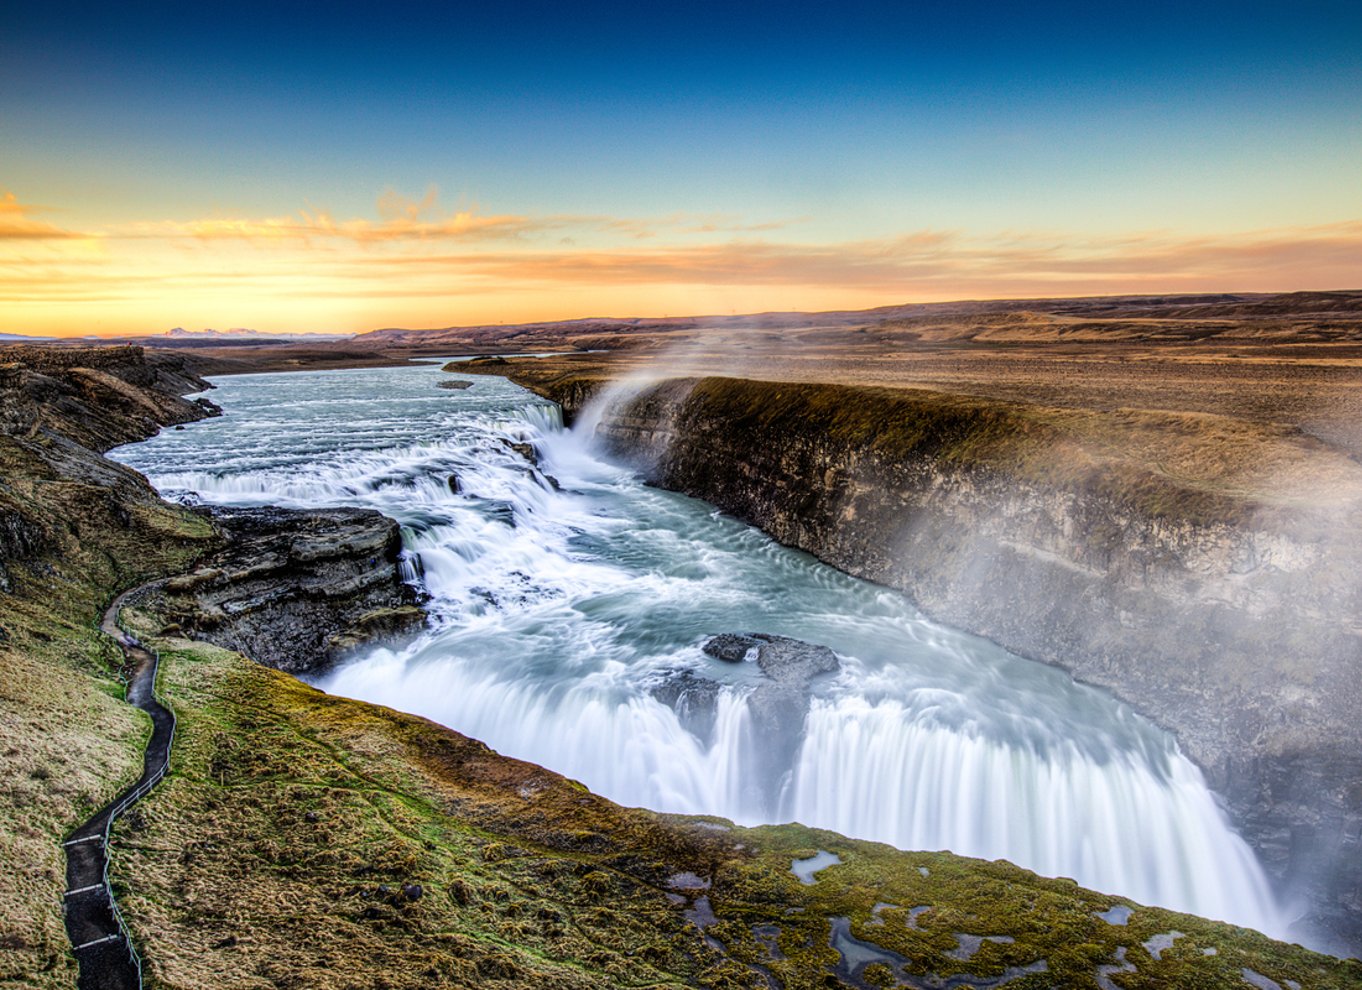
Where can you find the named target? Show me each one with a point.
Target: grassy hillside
(304, 840)
(68, 743)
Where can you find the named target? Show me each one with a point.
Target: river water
(557, 611)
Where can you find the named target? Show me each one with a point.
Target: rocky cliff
(294, 589)
(58, 409)
(98, 397)
(1226, 612)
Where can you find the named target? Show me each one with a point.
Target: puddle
(687, 881)
(875, 912)
(1117, 915)
(768, 936)
(1157, 945)
(1266, 982)
(968, 946)
(806, 868)
(857, 955)
(701, 915)
(1104, 973)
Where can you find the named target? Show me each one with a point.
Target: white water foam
(557, 611)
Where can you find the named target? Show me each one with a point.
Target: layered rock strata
(294, 589)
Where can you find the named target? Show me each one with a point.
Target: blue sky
(812, 125)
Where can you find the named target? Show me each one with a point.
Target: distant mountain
(22, 337)
(244, 335)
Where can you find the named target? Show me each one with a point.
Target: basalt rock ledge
(296, 589)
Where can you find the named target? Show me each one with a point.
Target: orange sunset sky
(182, 168)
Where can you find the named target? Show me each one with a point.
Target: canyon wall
(1229, 621)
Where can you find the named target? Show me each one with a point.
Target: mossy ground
(282, 849)
(68, 743)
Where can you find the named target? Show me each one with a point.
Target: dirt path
(99, 939)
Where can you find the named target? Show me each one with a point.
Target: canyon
(295, 789)
(1223, 612)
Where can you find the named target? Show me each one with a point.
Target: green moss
(289, 811)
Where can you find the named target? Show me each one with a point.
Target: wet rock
(694, 699)
(454, 384)
(525, 450)
(455, 485)
(288, 580)
(382, 625)
(791, 661)
(778, 704)
(729, 647)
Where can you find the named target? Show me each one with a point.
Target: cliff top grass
(68, 743)
(1173, 465)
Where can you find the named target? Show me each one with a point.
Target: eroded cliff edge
(1205, 575)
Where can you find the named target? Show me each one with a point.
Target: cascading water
(563, 595)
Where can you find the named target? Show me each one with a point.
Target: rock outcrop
(59, 409)
(294, 589)
(1229, 620)
(98, 397)
(778, 703)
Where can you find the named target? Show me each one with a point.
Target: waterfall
(1154, 833)
(564, 593)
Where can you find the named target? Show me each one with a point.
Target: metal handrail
(135, 795)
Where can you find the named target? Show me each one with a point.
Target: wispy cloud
(399, 219)
(17, 223)
(415, 261)
(403, 219)
(935, 260)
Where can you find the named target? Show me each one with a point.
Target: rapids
(561, 595)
